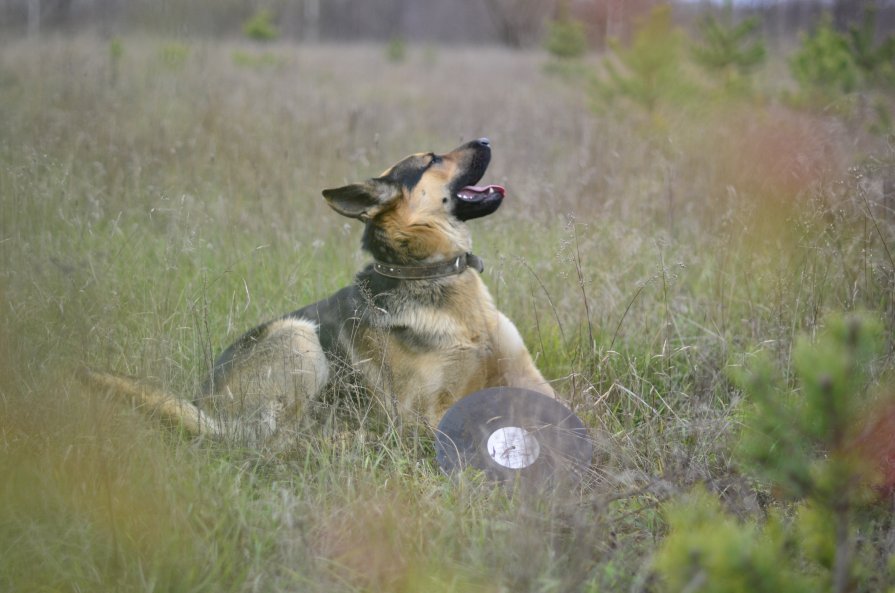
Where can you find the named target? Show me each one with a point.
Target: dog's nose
(484, 142)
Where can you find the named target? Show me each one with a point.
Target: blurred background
(515, 23)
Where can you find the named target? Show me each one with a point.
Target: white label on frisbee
(513, 447)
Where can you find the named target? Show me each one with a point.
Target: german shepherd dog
(417, 326)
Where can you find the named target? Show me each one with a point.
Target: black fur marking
(475, 170)
(335, 316)
(352, 200)
(375, 241)
(407, 173)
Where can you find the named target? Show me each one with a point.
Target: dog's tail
(169, 406)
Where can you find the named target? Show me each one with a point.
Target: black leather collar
(451, 267)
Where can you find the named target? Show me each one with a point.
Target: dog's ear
(361, 200)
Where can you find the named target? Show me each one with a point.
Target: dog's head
(415, 211)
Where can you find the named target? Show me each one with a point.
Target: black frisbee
(512, 433)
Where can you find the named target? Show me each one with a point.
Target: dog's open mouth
(477, 193)
(475, 201)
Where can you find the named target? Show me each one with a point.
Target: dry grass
(153, 208)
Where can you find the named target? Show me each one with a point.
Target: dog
(417, 326)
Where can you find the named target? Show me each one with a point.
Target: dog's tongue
(474, 193)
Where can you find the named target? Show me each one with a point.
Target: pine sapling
(731, 51)
(802, 441)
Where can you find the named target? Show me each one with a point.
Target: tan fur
(155, 400)
(269, 385)
(480, 348)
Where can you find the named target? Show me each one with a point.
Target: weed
(116, 52)
(566, 39)
(396, 50)
(174, 55)
(258, 60)
(260, 26)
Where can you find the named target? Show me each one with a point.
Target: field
(158, 198)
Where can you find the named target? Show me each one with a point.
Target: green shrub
(174, 55)
(116, 52)
(801, 442)
(728, 50)
(824, 62)
(260, 26)
(116, 49)
(566, 39)
(830, 64)
(253, 60)
(883, 124)
(876, 61)
(709, 550)
(396, 50)
(649, 70)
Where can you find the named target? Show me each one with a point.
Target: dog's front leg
(514, 364)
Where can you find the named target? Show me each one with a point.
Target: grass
(149, 214)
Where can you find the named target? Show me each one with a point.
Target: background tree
(260, 27)
(520, 22)
(824, 63)
(875, 60)
(566, 37)
(846, 12)
(649, 69)
(727, 49)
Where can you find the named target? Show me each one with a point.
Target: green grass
(150, 216)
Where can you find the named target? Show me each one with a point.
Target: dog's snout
(479, 146)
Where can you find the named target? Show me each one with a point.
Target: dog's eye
(435, 159)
